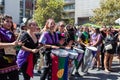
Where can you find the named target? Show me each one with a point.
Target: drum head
(60, 52)
(79, 50)
(72, 54)
(92, 48)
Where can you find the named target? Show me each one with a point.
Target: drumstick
(19, 35)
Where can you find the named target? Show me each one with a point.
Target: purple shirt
(46, 38)
(95, 37)
(6, 36)
(6, 65)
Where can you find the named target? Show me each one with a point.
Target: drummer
(49, 39)
(60, 63)
(84, 41)
(84, 38)
(96, 41)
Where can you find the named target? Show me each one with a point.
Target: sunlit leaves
(46, 9)
(108, 12)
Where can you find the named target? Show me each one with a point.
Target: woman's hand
(67, 47)
(16, 43)
(55, 47)
(34, 50)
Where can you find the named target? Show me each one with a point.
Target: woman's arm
(3, 45)
(30, 50)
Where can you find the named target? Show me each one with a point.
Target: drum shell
(60, 52)
(59, 67)
(72, 54)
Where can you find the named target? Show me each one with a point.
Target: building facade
(84, 10)
(18, 9)
(26, 9)
(69, 9)
(79, 10)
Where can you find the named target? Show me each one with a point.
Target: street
(93, 74)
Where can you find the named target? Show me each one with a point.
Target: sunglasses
(62, 25)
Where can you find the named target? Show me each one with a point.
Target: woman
(96, 40)
(27, 56)
(109, 50)
(61, 28)
(49, 39)
(117, 36)
(8, 66)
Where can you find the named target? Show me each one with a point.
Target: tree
(108, 12)
(46, 9)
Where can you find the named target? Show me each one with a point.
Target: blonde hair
(46, 28)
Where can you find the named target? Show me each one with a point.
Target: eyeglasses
(34, 24)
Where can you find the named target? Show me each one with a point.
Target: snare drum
(72, 54)
(60, 52)
(59, 64)
(79, 50)
(92, 48)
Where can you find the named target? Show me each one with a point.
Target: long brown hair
(3, 18)
(46, 25)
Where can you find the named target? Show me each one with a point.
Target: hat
(61, 35)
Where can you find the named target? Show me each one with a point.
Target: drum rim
(89, 47)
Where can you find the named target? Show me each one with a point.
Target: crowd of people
(20, 51)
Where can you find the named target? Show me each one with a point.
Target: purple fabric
(22, 57)
(46, 39)
(95, 37)
(79, 57)
(6, 36)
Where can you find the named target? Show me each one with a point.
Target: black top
(28, 41)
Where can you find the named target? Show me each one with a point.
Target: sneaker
(39, 71)
(119, 72)
(102, 68)
(86, 73)
(98, 69)
(111, 70)
(91, 68)
(77, 74)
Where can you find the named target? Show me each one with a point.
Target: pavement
(93, 74)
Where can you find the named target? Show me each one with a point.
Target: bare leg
(110, 61)
(98, 60)
(105, 62)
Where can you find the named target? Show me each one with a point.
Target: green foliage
(108, 12)
(93, 25)
(46, 9)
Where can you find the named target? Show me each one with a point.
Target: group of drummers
(78, 48)
(64, 49)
